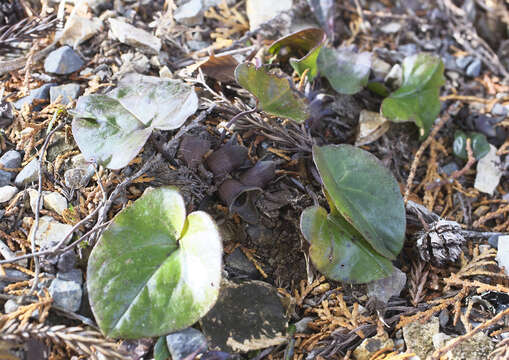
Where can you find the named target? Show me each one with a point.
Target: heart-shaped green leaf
(276, 95)
(365, 193)
(417, 99)
(306, 45)
(112, 128)
(164, 104)
(478, 142)
(339, 251)
(346, 70)
(154, 271)
(106, 132)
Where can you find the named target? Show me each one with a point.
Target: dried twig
(456, 341)
(38, 205)
(420, 151)
(458, 173)
(85, 342)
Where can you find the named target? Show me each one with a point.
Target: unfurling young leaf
(365, 228)
(478, 142)
(346, 70)
(417, 99)
(154, 270)
(305, 45)
(276, 95)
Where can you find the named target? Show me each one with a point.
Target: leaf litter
(436, 164)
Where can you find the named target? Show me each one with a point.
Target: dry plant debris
(452, 268)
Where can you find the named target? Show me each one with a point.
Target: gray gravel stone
(29, 174)
(10, 306)
(138, 38)
(11, 159)
(66, 294)
(247, 316)
(66, 91)
(7, 192)
(190, 13)
(184, 343)
(463, 61)
(240, 264)
(41, 93)
(73, 275)
(63, 61)
(474, 69)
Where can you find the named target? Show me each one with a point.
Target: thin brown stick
(458, 173)
(438, 353)
(38, 205)
(419, 153)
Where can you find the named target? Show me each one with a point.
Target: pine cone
(441, 243)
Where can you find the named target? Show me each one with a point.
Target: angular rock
(372, 126)
(371, 345)
(440, 339)
(189, 13)
(503, 253)
(66, 294)
(7, 193)
(247, 316)
(41, 93)
(394, 78)
(55, 202)
(73, 178)
(183, 343)
(478, 346)
(462, 62)
(449, 168)
(419, 337)
(34, 195)
(388, 287)
(50, 232)
(138, 38)
(79, 27)
(63, 61)
(488, 172)
(379, 67)
(28, 174)
(391, 28)
(73, 275)
(66, 261)
(12, 275)
(261, 11)
(241, 265)
(11, 160)
(68, 92)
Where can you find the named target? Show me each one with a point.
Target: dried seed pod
(441, 243)
(259, 175)
(240, 199)
(226, 159)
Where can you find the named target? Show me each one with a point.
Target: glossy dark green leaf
(154, 271)
(304, 47)
(339, 251)
(365, 193)
(346, 70)
(106, 132)
(417, 99)
(276, 95)
(112, 128)
(478, 142)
